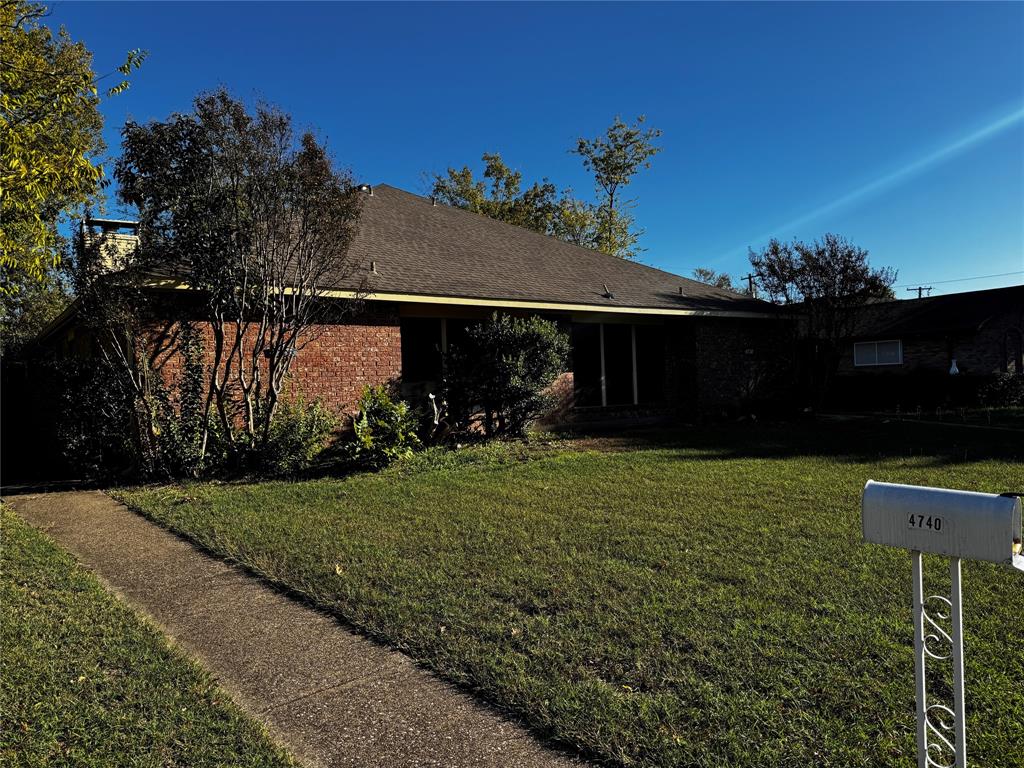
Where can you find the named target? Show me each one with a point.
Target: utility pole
(920, 290)
(750, 284)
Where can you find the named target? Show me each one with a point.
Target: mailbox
(957, 524)
(963, 524)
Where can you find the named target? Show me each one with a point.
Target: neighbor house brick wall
(981, 353)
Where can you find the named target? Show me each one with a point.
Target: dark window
(586, 363)
(455, 332)
(650, 363)
(618, 363)
(421, 349)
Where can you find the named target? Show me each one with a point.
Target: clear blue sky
(900, 126)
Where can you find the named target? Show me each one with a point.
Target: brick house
(903, 351)
(643, 340)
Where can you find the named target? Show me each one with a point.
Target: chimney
(117, 240)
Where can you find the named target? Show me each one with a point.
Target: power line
(964, 279)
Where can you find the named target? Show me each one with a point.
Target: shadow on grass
(852, 440)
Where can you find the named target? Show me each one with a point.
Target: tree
(257, 222)
(540, 208)
(50, 140)
(717, 279)
(503, 198)
(614, 159)
(831, 281)
(27, 306)
(499, 376)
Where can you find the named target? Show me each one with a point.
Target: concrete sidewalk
(332, 697)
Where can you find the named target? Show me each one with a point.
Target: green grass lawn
(84, 681)
(704, 601)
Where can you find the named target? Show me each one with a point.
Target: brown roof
(436, 250)
(939, 314)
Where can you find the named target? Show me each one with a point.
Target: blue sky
(900, 126)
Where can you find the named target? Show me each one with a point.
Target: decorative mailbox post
(957, 524)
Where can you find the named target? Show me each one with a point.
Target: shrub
(385, 428)
(96, 420)
(499, 376)
(1005, 390)
(298, 435)
(182, 412)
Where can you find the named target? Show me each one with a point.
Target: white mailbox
(964, 524)
(959, 525)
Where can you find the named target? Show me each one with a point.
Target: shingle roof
(939, 314)
(436, 250)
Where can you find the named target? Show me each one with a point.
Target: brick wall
(338, 360)
(978, 353)
(715, 364)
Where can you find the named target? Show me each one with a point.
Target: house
(932, 350)
(642, 338)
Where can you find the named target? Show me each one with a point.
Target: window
(878, 353)
(618, 363)
(421, 349)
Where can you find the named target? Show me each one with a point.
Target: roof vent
(680, 290)
(607, 294)
(373, 267)
(433, 201)
(366, 188)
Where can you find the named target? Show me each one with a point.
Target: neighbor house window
(878, 353)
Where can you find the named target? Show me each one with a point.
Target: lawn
(85, 681)
(702, 601)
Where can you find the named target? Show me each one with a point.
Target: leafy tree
(615, 158)
(831, 281)
(257, 222)
(499, 376)
(499, 195)
(717, 279)
(27, 307)
(50, 140)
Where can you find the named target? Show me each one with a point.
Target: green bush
(384, 429)
(96, 420)
(182, 412)
(499, 377)
(299, 432)
(1005, 390)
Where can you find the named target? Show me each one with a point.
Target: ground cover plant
(704, 600)
(85, 681)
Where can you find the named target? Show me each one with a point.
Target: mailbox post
(957, 524)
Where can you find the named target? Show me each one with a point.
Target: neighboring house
(911, 344)
(641, 337)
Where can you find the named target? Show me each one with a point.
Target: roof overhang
(538, 306)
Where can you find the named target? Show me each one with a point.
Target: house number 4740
(927, 522)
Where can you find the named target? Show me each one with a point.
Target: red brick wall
(344, 358)
(334, 365)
